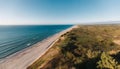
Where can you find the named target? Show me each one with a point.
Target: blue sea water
(16, 38)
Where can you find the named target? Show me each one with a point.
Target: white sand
(24, 58)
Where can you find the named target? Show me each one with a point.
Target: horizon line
(67, 23)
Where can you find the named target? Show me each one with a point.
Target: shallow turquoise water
(15, 38)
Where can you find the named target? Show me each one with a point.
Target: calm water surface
(15, 38)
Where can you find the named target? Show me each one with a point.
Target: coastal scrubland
(85, 47)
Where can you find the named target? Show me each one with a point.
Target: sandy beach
(25, 57)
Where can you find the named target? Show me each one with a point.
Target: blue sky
(58, 11)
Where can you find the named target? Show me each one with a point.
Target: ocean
(15, 38)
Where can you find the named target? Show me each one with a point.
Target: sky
(19, 12)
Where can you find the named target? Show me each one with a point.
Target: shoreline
(32, 53)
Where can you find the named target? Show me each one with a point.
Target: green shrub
(107, 62)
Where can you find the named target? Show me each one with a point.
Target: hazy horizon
(40, 12)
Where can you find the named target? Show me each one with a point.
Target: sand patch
(117, 42)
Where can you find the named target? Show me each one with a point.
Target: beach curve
(25, 57)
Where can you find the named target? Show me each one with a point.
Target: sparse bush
(107, 62)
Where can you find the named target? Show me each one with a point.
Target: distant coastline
(19, 57)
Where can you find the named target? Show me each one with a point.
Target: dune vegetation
(85, 47)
